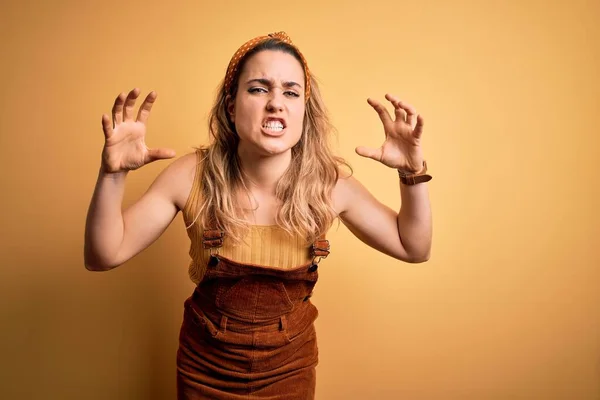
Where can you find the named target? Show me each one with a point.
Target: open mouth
(273, 126)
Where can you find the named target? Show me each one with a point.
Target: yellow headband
(251, 44)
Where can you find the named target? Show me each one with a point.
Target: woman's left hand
(402, 146)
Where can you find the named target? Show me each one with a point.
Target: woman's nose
(275, 102)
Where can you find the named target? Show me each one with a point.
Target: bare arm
(104, 223)
(415, 222)
(404, 235)
(407, 234)
(112, 237)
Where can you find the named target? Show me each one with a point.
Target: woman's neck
(264, 172)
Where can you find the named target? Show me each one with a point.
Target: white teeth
(274, 125)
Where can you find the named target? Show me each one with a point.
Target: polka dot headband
(251, 44)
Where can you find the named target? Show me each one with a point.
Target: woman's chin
(267, 146)
(274, 150)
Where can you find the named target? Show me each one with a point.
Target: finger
(400, 113)
(406, 108)
(418, 131)
(117, 111)
(129, 104)
(144, 111)
(384, 115)
(159, 154)
(106, 126)
(368, 152)
(411, 113)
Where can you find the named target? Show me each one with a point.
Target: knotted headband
(251, 44)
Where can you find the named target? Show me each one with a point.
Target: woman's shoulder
(182, 173)
(343, 188)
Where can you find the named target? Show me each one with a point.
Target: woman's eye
(257, 90)
(293, 94)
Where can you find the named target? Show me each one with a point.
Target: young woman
(257, 202)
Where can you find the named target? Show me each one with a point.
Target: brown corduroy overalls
(248, 331)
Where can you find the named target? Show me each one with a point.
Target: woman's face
(268, 110)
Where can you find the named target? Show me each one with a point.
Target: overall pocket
(201, 321)
(254, 299)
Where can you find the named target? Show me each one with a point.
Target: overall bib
(248, 331)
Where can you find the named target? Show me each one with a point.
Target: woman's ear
(230, 107)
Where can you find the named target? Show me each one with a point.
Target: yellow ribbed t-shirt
(265, 245)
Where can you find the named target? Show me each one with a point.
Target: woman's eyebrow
(269, 82)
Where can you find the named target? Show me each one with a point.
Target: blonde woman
(257, 202)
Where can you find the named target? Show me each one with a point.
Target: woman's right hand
(124, 147)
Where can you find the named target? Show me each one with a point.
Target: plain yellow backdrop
(508, 307)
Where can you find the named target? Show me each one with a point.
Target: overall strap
(320, 248)
(212, 238)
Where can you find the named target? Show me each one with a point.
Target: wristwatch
(412, 178)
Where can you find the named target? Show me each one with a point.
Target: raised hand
(124, 147)
(402, 146)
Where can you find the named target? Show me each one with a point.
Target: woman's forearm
(414, 221)
(104, 223)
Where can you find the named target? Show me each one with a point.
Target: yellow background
(508, 307)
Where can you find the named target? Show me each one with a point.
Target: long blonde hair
(305, 188)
